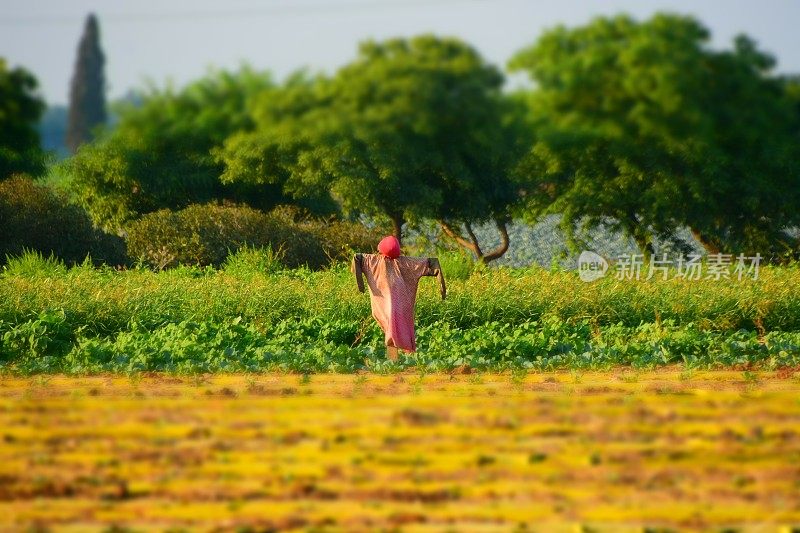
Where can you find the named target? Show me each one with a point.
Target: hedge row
(206, 234)
(35, 217)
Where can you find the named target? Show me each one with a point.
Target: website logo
(591, 266)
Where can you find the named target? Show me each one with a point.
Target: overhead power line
(233, 13)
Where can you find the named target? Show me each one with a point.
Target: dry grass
(610, 451)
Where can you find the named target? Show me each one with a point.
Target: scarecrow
(393, 281)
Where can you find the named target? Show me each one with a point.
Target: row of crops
(253, 316)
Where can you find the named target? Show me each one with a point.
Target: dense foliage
(643, 125)
(20, 110)
(158, 155)
(412, 129)
(639, 126)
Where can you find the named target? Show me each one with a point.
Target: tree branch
(450, 232)
(473, 244)
(474, 239)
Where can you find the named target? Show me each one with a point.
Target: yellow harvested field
(598, 451)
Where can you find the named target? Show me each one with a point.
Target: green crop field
(252, 315)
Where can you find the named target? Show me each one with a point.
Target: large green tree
(288, 119)
(642, 125)
(20, 110)
(412, 129)
(483, 185)
(87, 99)
(159, 154)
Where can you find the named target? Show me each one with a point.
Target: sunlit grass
(409, 451)
(252, 316)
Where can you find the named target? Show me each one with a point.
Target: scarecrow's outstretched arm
(436, 270)
(356, 269)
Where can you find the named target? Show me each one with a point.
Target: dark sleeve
(435, 269)
(357, 269)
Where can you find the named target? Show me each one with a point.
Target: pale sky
(178, 40)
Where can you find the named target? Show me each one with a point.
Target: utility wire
(294, 9)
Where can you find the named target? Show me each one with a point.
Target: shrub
(35, 217)
(31, 263)
(456, 264)
(206, 234)
(337, 239)
(340, 239)
(248, 261)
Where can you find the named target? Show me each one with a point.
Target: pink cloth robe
(393, 293)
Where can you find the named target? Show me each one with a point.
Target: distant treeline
(637, 126)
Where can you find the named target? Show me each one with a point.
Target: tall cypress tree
(87, 103)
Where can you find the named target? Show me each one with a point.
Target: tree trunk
(474, 246)
(709, 243)
(644, 245)
(640, 236)
(397, 227)
(502, 248)
(456, 236)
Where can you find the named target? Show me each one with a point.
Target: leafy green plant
(254, 315)
(248, 261)
(31, 263)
